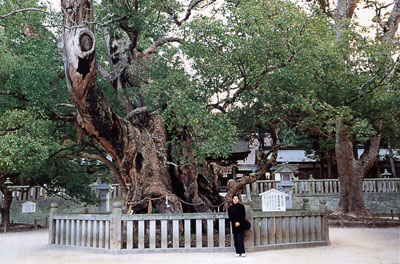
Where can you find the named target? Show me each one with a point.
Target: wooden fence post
(53, 210)
(249, 234)
(115, 227)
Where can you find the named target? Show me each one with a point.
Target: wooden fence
(196, 232)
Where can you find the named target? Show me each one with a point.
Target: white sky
(364, 16)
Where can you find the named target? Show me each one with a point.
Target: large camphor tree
(229, 64)
(187, 87)
(143, 162)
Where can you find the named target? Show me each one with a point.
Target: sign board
(273, 200)
(29, 207)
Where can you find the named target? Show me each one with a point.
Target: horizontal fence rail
(325, 186)
(177, 231)
(193, 232)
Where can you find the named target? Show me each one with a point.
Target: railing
(382, 185)
(81, 230)
(378, 185)
(324, 186)
(204, 232)
(24, 193)
(116, 192)
(279, 229)
(193, 231)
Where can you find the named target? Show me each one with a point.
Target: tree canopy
(170, 86)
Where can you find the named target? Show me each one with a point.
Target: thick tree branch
(137, 111)
(65, 117)
(20, 97)
(159, 43)
(253, 177)
(133, 34)
(262, 75)
(94, 113)
(71, 106)
(27, 10)
(192, 6)
(345, 8)
(325, 7)
(393, 22)
(106, 75)
(369, 155)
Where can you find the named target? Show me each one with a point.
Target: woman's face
(235, 199)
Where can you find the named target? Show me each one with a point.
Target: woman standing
(237, 215)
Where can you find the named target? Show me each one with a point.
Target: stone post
(115, 227)
(322, 205)
(84, 208)
(306, 204)
(249, 234)
(53, 210)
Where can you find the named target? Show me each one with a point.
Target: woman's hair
(236, 195)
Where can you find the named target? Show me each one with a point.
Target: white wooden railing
(193, 232)
(325, 186)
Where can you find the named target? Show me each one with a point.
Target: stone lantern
(285, 173)
(386, 174)
(103, 192)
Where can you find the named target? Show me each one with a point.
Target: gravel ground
(349, 245)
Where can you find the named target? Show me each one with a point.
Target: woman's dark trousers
(239, 242)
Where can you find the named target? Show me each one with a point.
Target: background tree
(247, 64)
(366, 95)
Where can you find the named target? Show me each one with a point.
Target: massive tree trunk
(195, 180)
(332, 171)
(352, 172)
(5, 205)
(136, 143)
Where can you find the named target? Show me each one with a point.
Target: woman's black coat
(237, 213)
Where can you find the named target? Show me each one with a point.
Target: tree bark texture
(331, 163)
(5, 205)
(352, 172)
(137, 143)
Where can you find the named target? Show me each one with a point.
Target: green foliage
(257, 49)
(31, 84)
(31, 64)
(271, 65)
(26, 141)
(183, 106)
